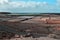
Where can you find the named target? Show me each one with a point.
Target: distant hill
(5, 13)
(51, 13)
(29, 14)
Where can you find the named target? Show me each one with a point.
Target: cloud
(29, 6)
(58, 2)
(21, 3)
(4, 1)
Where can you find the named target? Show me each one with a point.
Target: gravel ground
(41, 38)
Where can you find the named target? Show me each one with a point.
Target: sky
(30, 6)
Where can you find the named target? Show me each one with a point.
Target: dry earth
(41, 38)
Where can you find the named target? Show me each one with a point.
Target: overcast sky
(30, 6)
